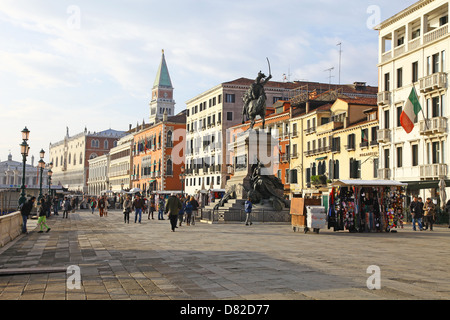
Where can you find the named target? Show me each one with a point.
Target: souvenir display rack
(366, 206)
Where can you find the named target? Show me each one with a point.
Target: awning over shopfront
(429, 184)
(368, 183)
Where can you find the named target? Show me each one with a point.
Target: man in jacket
(173, 206)
(25, 210)
(138, 206)
(416, 208)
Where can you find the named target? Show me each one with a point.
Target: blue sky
(92, 64)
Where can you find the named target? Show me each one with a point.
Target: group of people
(423, 214)
(179, 209)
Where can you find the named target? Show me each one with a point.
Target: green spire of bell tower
(162, 77)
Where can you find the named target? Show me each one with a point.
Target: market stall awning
(368, 183)
(430, 184)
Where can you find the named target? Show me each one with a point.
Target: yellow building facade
(338, 141)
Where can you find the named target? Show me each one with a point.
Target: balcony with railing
(384, 135)
(384, 174)
(433, 125)
(383, 98)
(436, 171)
(434, 81)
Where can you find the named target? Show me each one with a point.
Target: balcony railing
(434, 81)
(383, 98)
(435, 34)
(384, 135)
(433, 170)
(433, 125)
(384, 174)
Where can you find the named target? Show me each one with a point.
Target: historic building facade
(413, 49)
(71, 156)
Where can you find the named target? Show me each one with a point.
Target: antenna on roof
(340, 56)
(330, 76)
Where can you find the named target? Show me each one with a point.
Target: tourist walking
(93, 204)
(101, 206)
(127, 207)
(66, 207)
(195, 206)
(248, 212)
(42, 220)
(138, 206)
(25, 211)
(181, 212)
(172, 208)
(55, 205)
(188, 208)
(429, 214)
(161, 205)
(151, 208)
(416, 209)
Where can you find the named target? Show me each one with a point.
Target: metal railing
(239, 215)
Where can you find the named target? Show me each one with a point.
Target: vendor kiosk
(366, 205)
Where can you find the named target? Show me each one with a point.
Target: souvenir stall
(366, 205)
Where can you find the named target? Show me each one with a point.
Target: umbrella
(135, 190)
(442, 193)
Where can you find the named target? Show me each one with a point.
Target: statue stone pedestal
(250, 149)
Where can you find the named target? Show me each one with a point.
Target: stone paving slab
(220, 262)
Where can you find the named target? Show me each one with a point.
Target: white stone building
(414, 45)
(120, 164)
(98, 181)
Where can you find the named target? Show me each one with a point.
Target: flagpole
(421, 109)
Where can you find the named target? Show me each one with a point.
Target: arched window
(169, 170)
(74, 159)
(81, 158)
(105, 144)
(169, 139)
(92, 156)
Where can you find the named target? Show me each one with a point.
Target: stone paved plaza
(220, 261)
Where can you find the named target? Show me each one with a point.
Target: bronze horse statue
(255, 100)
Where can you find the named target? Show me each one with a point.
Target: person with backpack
(188, 210)
(93, 204)
(25, 210)
(172, 208)
(195, 206)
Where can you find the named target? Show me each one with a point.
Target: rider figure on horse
(255, 92)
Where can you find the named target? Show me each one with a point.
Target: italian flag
(410, 111)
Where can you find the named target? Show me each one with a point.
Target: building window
(229, 116)
(230, 98)
(399, 77)
(415, 72)
(169, 167)
(436, 152)
(387, 82)
(399, 157)
(399, 113)
(415, 155)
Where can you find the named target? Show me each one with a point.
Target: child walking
(42, 220)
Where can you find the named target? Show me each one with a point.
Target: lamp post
(41, 165)
(182, 175)
(50, 173)
(24, 150)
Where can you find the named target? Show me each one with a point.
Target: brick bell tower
(162, 94)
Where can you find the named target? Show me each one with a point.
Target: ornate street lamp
(41, 165)
(50, 173)
(24, 150)
(182, 175)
